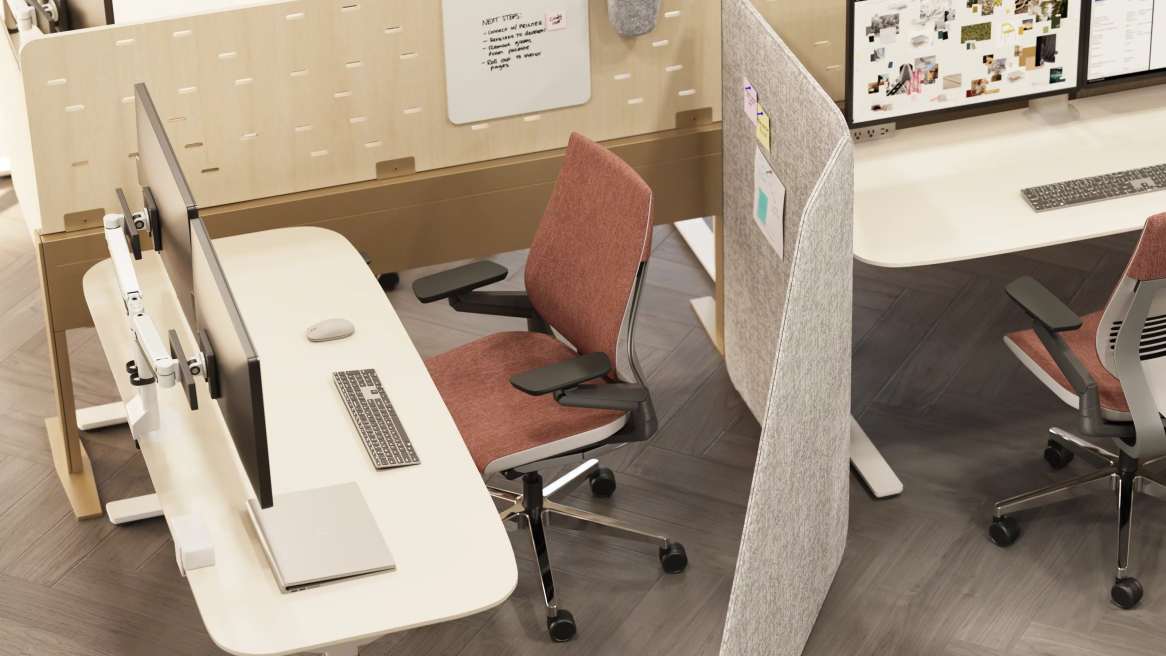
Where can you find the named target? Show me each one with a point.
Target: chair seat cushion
(1082, 342)
(498, 421)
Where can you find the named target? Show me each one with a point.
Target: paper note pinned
(769, 203)
(763, 133)
(750, 101)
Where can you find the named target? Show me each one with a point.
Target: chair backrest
(1131, 338)
(590, 246)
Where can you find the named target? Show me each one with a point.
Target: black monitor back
(237, 363)
(160, 174)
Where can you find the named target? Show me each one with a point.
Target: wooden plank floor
(960, 421)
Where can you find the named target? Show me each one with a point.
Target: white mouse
(330, 329)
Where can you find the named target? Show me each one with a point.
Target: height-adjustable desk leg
(874, 471)
(101, 416)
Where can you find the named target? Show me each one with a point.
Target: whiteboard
(510, 57)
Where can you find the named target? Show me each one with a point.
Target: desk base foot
(874, 471)
(706, 311)
(134, 509)
(101, 416)
(80, 487)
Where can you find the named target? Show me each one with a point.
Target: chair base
(533, 509)
(1120, 475)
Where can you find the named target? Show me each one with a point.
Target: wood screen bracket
(692, 117)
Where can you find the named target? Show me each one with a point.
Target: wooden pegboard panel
(306, 94)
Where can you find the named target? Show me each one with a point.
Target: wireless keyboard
(376, 422)
(1097, 188)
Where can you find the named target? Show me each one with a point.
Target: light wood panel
(816, 31)
(306, 94)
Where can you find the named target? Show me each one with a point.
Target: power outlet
(873, 132)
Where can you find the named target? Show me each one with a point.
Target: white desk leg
(350, 649)
(101, 416)
(699, 237)
(134, 509)
(874, 471)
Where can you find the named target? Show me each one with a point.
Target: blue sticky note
(762, 206)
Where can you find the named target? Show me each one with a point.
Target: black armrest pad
(1042, 305)
(562, 375)
(458, 281)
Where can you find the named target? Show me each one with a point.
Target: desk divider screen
(292, 96)
(787, 336)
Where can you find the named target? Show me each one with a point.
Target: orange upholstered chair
(524, 401)
(1110, 366)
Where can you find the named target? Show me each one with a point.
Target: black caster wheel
(1057, 456)
(389, 281)
(561, 626)
(602, 482)
(673, 558)
(1126, 593)
(1004, 531)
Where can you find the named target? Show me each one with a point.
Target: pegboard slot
(56, 82)
(532, 118)
(660, 44)
(358, 119)
(213, 169)
(194, 144)
(176, 119)
(181, 34)
(374, 144)
(674, 68)
(228, 55)
(412, 110)
(479, 126)
(121, 43)
(393, 29)
(81, 163)
(295, 16)
(635, 101)
(409, 55)
(686, 93)
(341, 94)
(675, 13)
(183, 91)
(355, 63)
(248, 136)
(127, 100)
(303, 128)
(244, 81)
(350, 8)
(620, 77)
(69, 109)
(318, 153)
(303, 72)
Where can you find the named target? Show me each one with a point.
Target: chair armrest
(1040, 304)
(458, 281)
(562, 375)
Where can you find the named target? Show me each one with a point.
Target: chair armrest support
(562, 375)
(1040, 304)
(631, 398)
(457, 281)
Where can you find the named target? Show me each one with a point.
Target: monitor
(236, 364)
(1124, 37)
(916, 57)
(166, 191)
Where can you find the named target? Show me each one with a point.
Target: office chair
(1109, 365)
(526, 401)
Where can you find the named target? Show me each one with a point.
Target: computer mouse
(330, 329)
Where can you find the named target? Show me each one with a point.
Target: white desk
(951, 191)
(452, 561)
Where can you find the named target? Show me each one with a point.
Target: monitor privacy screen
(911, 57)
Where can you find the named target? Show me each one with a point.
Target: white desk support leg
(350, 649)
(134, 509)
(874, 471)
(101, 416)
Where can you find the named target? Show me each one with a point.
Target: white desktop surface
(453, 556)
(951, 191)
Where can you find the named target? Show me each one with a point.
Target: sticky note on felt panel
(763, 133)
(750, 101)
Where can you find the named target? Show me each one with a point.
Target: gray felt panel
(787, 338)
(633, 17)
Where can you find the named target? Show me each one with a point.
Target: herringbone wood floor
(960, 421)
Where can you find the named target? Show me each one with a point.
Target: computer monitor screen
(239, 381)
(159, 172)
(1125, 37)
(911, 57)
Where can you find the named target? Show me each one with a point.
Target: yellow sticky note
(763, 127)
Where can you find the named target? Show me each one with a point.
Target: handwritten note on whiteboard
(511, 57)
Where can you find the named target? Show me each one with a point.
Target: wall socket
(873, 132)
